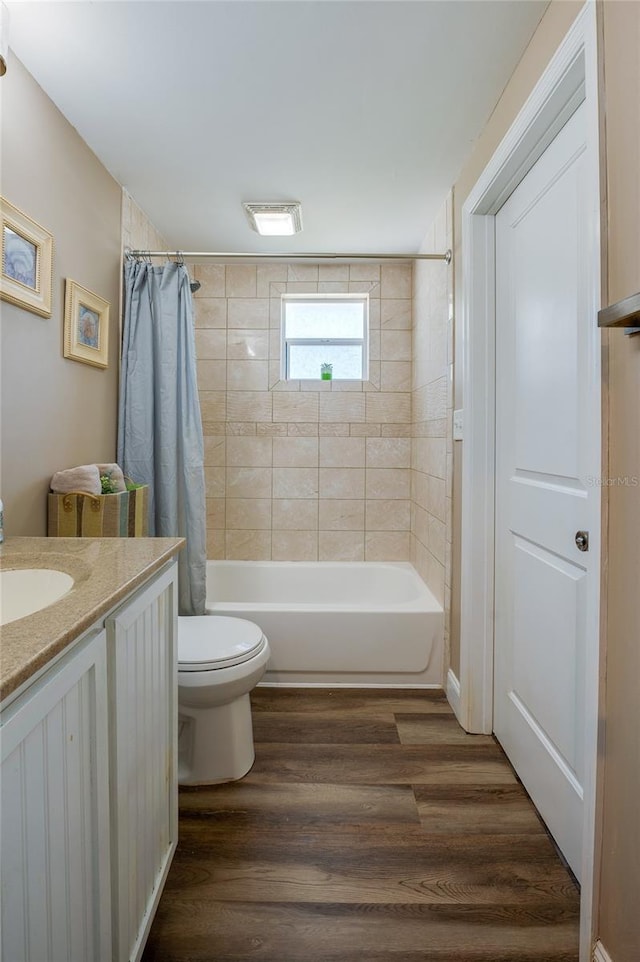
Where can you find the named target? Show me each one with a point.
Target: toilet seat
(210, 642)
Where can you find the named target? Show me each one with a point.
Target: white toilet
(220, 660)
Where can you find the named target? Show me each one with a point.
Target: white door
(547, 459)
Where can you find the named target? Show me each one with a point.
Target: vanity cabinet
(143, 674)
(88, 788)
(54, 816)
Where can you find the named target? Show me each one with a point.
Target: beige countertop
(105, 570)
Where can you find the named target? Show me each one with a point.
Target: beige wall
(311, 470)
(431, 417)
(552, 28)
(56, 413)
(619, 919)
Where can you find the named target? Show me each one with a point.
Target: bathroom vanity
(88, 742)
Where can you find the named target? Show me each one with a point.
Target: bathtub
(331, 623)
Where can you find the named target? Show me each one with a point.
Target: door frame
(570, 78)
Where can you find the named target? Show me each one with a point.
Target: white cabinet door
(143, 675)
(547, 455)
(55, 816)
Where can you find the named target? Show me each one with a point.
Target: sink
(24, 591)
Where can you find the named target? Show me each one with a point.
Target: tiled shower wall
(431, 418)
(303, 470)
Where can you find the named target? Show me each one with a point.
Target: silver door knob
(582, 540)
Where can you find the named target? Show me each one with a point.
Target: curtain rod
(292, 255)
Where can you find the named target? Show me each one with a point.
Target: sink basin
(24, 591)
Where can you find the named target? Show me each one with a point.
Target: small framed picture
(86, 326)
(27, 261)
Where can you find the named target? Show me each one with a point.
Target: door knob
(582, 540)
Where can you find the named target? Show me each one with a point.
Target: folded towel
(114, 472)
(86, 478)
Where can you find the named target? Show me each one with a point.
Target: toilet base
(215, 744)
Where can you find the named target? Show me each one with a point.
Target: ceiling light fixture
(275, 219)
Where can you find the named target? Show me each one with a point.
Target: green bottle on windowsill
(326, 372)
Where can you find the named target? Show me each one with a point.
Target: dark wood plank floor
(371, 828)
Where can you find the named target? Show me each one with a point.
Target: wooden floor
(371, 828)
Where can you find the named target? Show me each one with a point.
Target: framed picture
(86, 326)
(27, 261)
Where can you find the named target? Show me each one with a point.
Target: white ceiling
(364, 110)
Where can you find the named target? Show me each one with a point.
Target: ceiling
(362, 110)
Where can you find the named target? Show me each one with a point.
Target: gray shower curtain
(159, 427)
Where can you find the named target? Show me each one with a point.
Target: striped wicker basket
(81, 515)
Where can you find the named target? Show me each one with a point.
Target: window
(322, 329)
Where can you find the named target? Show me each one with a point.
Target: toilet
(220, 660)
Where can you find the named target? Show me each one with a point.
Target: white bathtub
(331, 623)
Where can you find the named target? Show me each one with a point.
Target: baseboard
(600, 954)
(453, 693)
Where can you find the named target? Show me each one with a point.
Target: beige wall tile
(216, 512)
(249, 513)
(395, 314)
(212, 375)
(395, 345)
(246, 313)
(342, 452)
(241, 280)
(214, 482)
(364, 271)
(372, 288)
(249, 406)
(341, 515)
(387, 546)
(333, 287)
(214, 451)
(249, 345)
(216, 544)
(248, 452)
(213, 405)
(267, 429)
(333, 272)
(268, 274)
(302, 429)
(341, 483)
(343, 385)
(388, 408)
(395, 376)
(302, 287)
(342, 407)
(386, 515)
(240, 429)
(248, 545)
(396, 280)
(365, 430)
(212, 280)
(388, 452)
(302, 272)
(210, 312)
(247, 375)
(395, 430)
(295, 514)
(248, 482)
(211, 344)
(295, 452)
(315, 384)
(294, 545)
(388, 483)
(341, 546)
(295, 482)
(295, 407)
(331, 429)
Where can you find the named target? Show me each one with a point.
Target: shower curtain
(160, 439)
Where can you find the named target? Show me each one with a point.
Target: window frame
(316, 298)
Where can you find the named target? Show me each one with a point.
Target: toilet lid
(207, 642)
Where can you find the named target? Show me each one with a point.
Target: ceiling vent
(275, 219)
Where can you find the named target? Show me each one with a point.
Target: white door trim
(570, 78)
